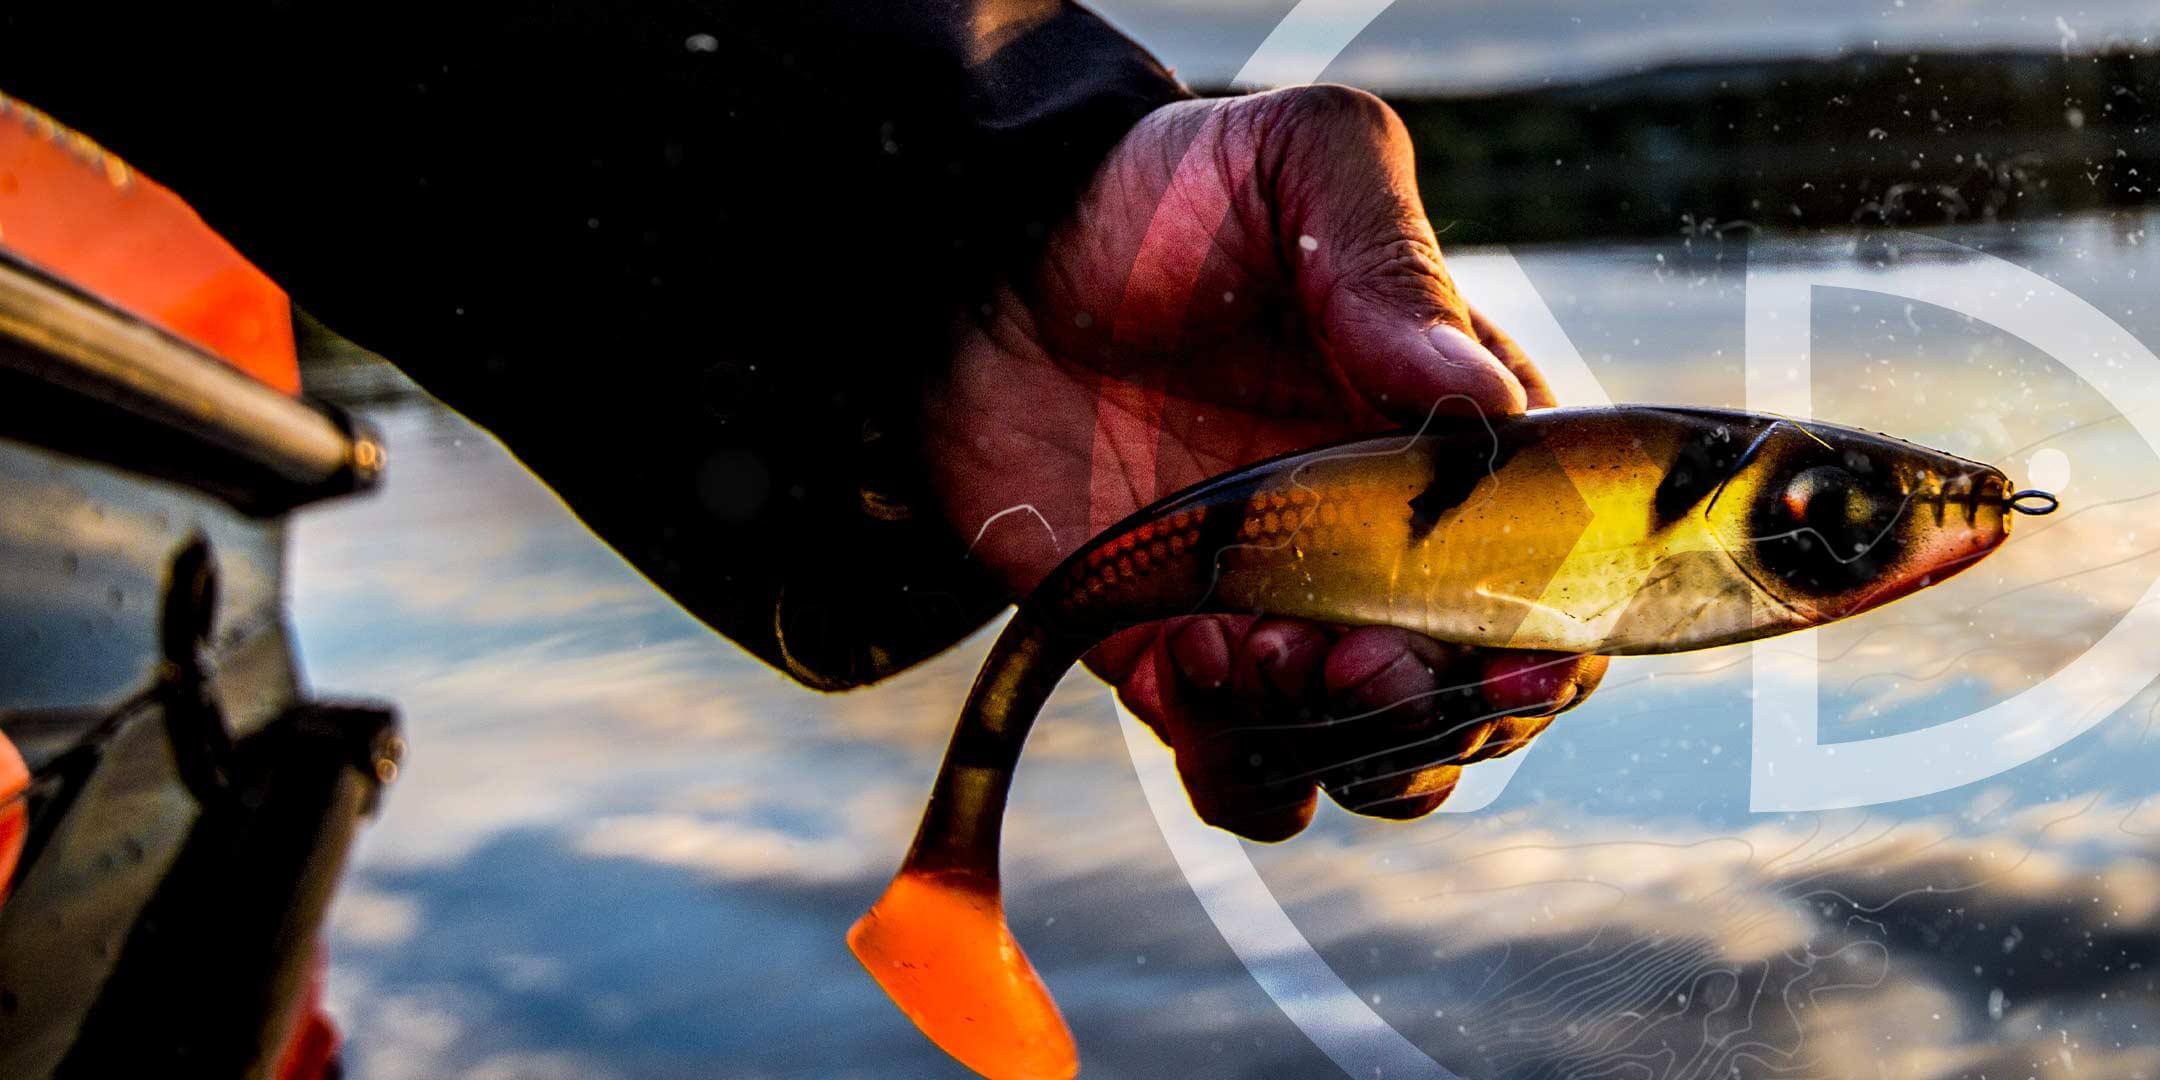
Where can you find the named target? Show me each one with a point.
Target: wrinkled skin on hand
(1244, 277)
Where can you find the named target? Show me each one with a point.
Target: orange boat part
(14, 812)
(73, 210)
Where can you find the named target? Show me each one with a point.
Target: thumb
(1365, 262)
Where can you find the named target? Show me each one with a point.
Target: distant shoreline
(1862, 139)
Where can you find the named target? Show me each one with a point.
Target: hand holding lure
(1625, 530)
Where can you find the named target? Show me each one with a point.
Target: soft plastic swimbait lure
(1633, 529)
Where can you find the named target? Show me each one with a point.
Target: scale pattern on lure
(1632, 529)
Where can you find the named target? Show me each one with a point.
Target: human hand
(1244, 277)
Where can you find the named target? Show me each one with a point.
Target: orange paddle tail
(938, 944)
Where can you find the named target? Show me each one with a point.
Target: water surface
(622, 847)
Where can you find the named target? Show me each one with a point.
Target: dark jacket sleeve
(691, 262)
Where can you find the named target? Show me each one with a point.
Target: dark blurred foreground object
(173, 808)
(694, 263)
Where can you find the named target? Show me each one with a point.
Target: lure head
(1829, 521)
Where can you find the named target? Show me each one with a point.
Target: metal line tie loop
(2034, 501)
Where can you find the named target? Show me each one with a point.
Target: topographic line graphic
(1029, 508)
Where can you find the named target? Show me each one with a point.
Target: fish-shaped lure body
(1631, 529)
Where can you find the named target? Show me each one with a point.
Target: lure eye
(1829, 500)
(1823, 532)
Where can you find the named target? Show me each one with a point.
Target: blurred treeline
(1895, 139)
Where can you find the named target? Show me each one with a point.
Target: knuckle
(1404, 270)
(1589, 677)
(1326, 129)
(1400, 254)
(1336, 104)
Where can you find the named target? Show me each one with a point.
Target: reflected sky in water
(622, 847)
